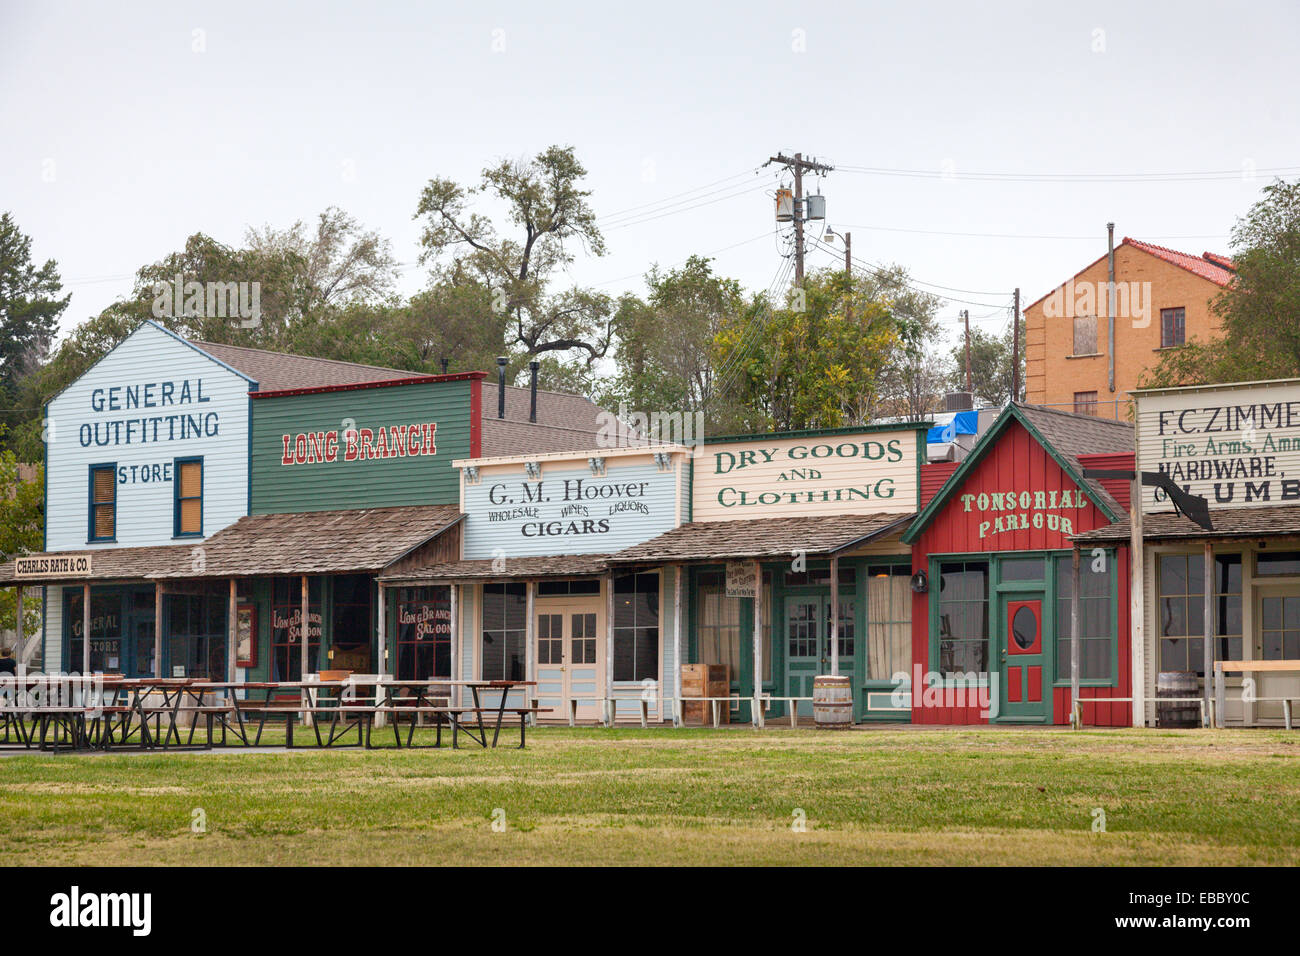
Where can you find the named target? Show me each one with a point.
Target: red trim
(476, 416)
(386, 383)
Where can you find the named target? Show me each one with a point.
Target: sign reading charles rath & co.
(1236, 446)
(842, 472)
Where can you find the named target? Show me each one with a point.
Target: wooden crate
(704, 680)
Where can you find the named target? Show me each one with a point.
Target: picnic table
(415, 697)
(291, 708)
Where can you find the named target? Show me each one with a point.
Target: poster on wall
(246, 636)
(742, 579)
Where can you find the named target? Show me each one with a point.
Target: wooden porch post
(232, 638)
(304, 636)
(1208, 651)
(679, 624)
(1075, 709)
(85, 629)
(756, 718)
(381, 647)
(1137, 598)
(20, 631)
(835, 616)
(454, 590)
(609, 649)
(530, 643)
(157, 630)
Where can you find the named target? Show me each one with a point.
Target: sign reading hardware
(359, 444)
(833, 474)
(52, 565)
(1235, 447)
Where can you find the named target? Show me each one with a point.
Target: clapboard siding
(90, 423)
(523, 518)
(375, 483)
(52, 651)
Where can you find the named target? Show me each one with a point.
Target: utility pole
(965, 314)
(848, 273)
(798, 165)
(1015, 349)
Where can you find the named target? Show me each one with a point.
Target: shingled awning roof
(559, 565)
(318, 542)
(1228, 523)
(108, 564)
(762, 538)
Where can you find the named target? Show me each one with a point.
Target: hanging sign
(742, 579)
(52, 566)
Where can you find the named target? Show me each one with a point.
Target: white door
(570, 661)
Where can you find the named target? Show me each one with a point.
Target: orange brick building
(1162, 299)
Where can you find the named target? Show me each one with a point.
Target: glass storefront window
(1181, 579)
(423, 633)
(963, 617)
(505, 615)
(717, 625)
(889, 621)
(636, 627)
(1097, 625)
(286, 627)
(105, 633)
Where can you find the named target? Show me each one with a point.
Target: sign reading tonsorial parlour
(841, 472)
(1237, 447)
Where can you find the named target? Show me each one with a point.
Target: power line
(692, 204)
(912, 283)
(1153, 177)
(619, 213)
(1012, 235)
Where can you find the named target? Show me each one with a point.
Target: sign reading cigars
(1236, 447)
(871, 471)
(52, 566)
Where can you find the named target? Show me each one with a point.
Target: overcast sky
(128, 127)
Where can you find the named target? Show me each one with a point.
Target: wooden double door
(808, 642)
(570, 649)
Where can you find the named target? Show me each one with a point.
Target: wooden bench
(452, 715)
(1244, 667)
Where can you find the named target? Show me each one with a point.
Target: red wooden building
(991, 562)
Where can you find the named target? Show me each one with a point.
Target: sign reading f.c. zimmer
(1236, 446)
(52, 566)
(838, 473)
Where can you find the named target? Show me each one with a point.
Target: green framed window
(1098, 626)
(103, 503)
(963, 609)
(187, 517)
(889, 621)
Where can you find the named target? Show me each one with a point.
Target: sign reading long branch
(359, 444)
(1237, 446)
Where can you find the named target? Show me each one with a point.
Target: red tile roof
(1218, 269)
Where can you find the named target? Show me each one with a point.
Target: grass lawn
(591, 796)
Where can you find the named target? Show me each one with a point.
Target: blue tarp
(963, 423)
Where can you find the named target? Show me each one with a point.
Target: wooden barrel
(1177, 684)
(832, 702)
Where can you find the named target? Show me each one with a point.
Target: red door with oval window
(1025, 694)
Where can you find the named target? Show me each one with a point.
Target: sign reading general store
(867, 470)
(1234, 447)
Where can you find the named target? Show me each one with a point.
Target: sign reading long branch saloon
(359, 444)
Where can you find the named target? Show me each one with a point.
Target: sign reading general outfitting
(873, 470)
(1237, 446)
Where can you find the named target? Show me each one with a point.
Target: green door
(1024, 681)
(808, 645)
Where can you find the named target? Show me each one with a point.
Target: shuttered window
(103, 502)
(189, 497)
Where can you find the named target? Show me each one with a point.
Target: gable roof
(281, 371)
(1064, 436)
(1211, 266)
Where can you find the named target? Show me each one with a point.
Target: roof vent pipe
(501, 386)
(444, 366)
(1110, 301)
(532, 407)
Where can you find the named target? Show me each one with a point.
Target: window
(582, 649)
(1173, 327)
(196, 634)
(423, 632)
(103, 502)
(1277, 563)
(636, 627)
(350, 628)
(889, 621)
(505, 618)
(1097, 624)
(1020, 569)
(717, 626)
(1085, 335)
(286, 627)
(1182, 614)
(105, 632)
(550, 638)
(963, 617)
(1085, 403)
(567, 588)
(188, 516)
(820, 576)
(1281, 626)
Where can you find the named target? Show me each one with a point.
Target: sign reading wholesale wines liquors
(1237, 446)
(873, 470)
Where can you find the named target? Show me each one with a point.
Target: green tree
(990, 365)
(30, 306)
(1259, 310)
(805, 363)
(21, 531)
(547, 216)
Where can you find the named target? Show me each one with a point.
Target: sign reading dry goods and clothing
(52, 566)
(1235, 447)
(871, 470)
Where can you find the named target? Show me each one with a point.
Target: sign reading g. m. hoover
(1236, 446)
(847, 472)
